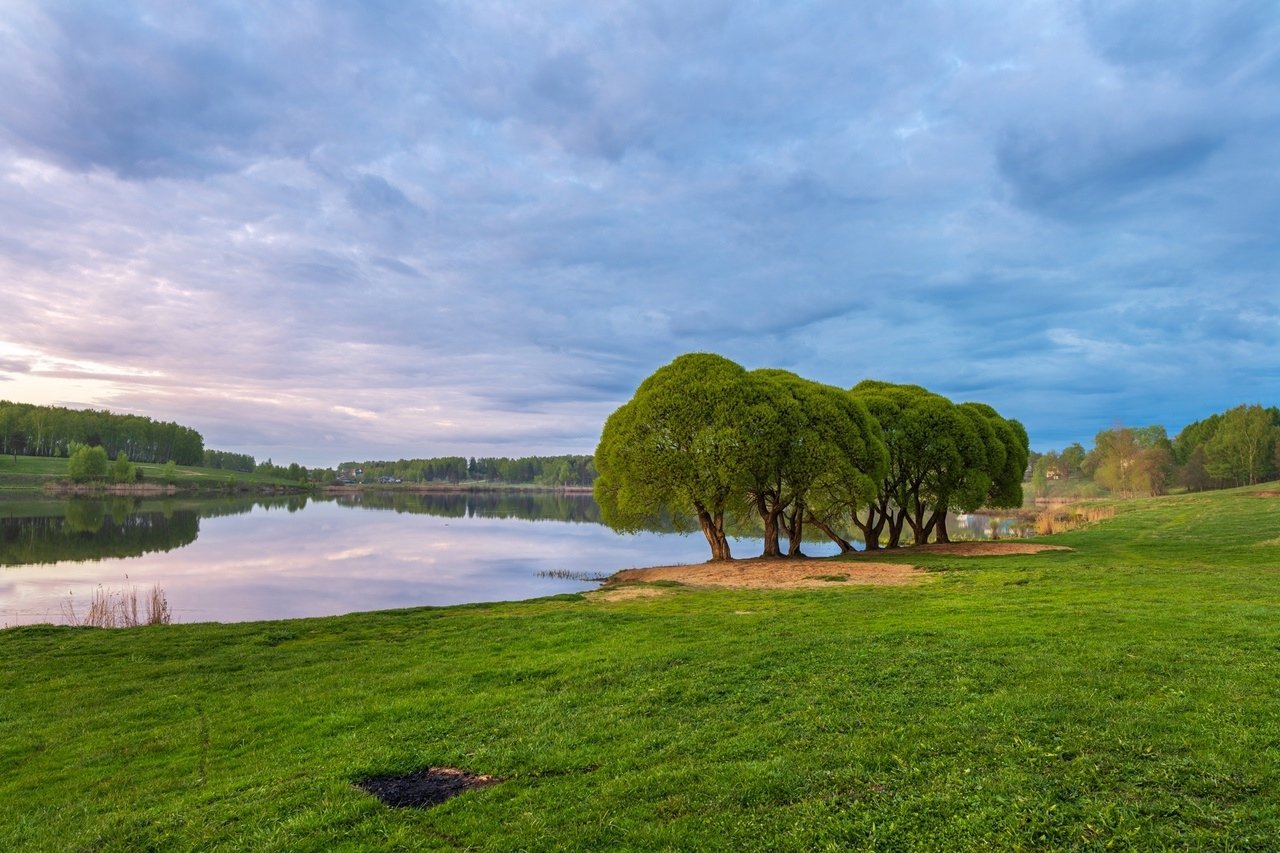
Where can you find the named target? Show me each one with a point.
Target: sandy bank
(773, 573)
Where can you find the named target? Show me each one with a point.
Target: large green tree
(682, 449)
(1242, 447)
(943, 458)
(830, 455)
(1131, 461)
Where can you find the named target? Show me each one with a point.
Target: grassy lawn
(1122, 695)
(32, 472)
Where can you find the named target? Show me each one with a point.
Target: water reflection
(94, 530)
(245, 558)
(531, 506)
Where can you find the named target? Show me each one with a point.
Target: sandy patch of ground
(1266, 494)
(760, 573)
(776, 574)
(984, 549)
(624, 593)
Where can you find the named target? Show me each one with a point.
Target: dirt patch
(762, 573)
(424, 788)
(625, 593)
(984, 549)
(802, 573)
(1266, 494)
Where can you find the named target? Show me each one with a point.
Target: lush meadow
(1123, 694)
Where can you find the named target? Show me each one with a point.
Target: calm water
(240, 559)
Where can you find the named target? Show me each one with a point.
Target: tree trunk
(846, 547)
(873, 534)
(896, 522)
(795, 530)
(939, 524)
(769, 515)
(713, 528)
(877, 517)
(870, 532)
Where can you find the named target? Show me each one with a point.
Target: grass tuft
(118, 609)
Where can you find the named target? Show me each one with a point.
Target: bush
(87, 464)
(122, 471)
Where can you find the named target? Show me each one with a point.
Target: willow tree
(942, 457)
(990, 474)
(681, 450)
(909, 417)
(844, 460)
(821, 451)
(776, 476)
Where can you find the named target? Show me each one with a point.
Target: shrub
(87, 464)
(122, 471)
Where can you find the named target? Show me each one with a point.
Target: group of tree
(223, 460)
(1234, 448)
(538, 470)
(1238, 447)
(704, 440)
(89, 464)
(52, 430)
(292, 472)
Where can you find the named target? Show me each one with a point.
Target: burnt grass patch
(423, 789)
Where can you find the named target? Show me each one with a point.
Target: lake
(241, 559)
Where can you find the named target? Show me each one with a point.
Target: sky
(321, 232)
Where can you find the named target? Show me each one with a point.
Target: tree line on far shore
(704, 440)
(33, 430)
(569, 470)
(1238, 447)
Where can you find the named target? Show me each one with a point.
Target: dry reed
(1063, 518)
(119, 609)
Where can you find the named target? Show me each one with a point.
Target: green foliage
(702, 438)
(570, 470)
(169, 473)
(830, 460)
(51, 430)
(1130, 462)
(684, 448)
(122, 471)
(1242, 448)
(942, 457)
(87, 464)
(224, 461)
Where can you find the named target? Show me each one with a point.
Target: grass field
(32, 472)
(1122, 695)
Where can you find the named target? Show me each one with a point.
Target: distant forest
(539, 470)
(1238, 447)
(50, 430)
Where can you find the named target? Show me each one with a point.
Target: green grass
(32, 472)
(1122, 695)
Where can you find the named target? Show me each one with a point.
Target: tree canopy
(51, 431)
(685, 448)
(703, 439)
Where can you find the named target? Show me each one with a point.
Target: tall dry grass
(119, 609)
(1063, 518)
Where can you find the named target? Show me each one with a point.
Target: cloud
(331, 231)
(1089, 177)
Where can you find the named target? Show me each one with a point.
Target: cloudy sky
(321, 232)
